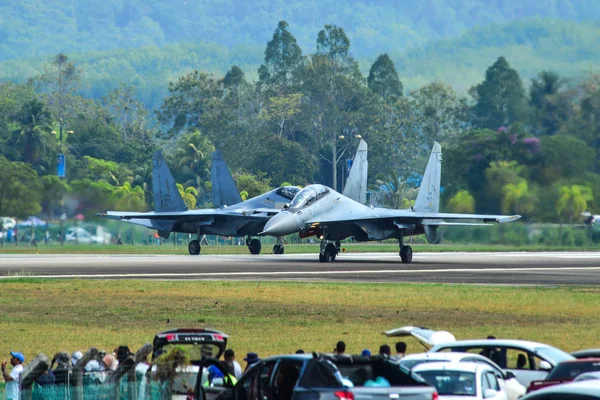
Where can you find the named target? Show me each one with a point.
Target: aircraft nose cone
(281, 224)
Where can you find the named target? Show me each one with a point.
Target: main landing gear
(253, 245)
(328, 251)
(405, 252)
(278, 248)
(194, 247)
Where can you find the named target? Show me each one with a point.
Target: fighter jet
(331, 216)
(234, 217)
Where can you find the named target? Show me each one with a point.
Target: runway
(560, 268)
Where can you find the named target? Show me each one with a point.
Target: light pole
(61, 169)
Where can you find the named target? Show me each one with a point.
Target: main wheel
(406, 254)
(322, 258)
(330, 252)
(194, 247)
(254, 246)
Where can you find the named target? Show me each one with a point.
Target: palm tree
(394, 193)
(129, 198)
(517, 198)
(572, 202)
(192, 152)
(35, 131)
(188, 195)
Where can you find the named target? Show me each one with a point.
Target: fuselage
(314, 205)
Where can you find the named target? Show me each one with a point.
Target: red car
(566, 371)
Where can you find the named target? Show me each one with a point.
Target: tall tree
(62, 80)
(549, 111)
(335, 91)
(500, 98)
(283, 56)
(20, 189)
(34, 134)
(129, 114)
(383, 78)
(190, 102)
(441, 113)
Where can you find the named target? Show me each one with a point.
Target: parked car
(203, 346)
(565, 372)
(538, 358)
(586, 376)
(464, 380)
(586, 353)
(324, 377)
(582, 390)
(80, 235)
(507, 380)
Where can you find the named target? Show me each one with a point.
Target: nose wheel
(194, 247)
(278, 248)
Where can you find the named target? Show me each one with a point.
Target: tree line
(506, 148)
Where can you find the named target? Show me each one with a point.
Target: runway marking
(299, 273)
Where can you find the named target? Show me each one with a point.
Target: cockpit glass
(308, 195)
(288, 191)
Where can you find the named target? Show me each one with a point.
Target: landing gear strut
(278, 248)
(253, 245)
(405, 251)
(194, 247)
(328, 251)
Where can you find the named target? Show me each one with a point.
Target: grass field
(270, 318)
(266, 249)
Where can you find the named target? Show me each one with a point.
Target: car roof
(588, 375)
(581, 360)
(585, 353)
(526, 344)
(589, 387)
(444, 366)
(443, 355)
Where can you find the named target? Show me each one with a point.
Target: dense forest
(293, 115)
(568, 48)
(30, 28)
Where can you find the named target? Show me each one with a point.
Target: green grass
(270, 318)
(266, 249)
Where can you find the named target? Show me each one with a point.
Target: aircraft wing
(344, 215)
(190, 215)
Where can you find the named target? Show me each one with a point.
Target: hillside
(34, 28)
(569, 48)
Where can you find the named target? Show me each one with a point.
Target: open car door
(427, 337)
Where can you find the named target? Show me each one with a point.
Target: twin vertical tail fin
(428, 199)
(356, 184)
(224, 190)
(166, 194)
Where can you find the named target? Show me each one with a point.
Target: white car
(529, 361)
(462, 380)
(507, 380)
(80, 235)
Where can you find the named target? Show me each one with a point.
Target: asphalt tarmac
(564, 268)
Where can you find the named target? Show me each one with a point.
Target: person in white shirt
(12, 378)
(229, 358)
(400, 351)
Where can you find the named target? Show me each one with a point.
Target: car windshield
(451, 383)
(194, 351)
(553, 354)
(308, 195)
